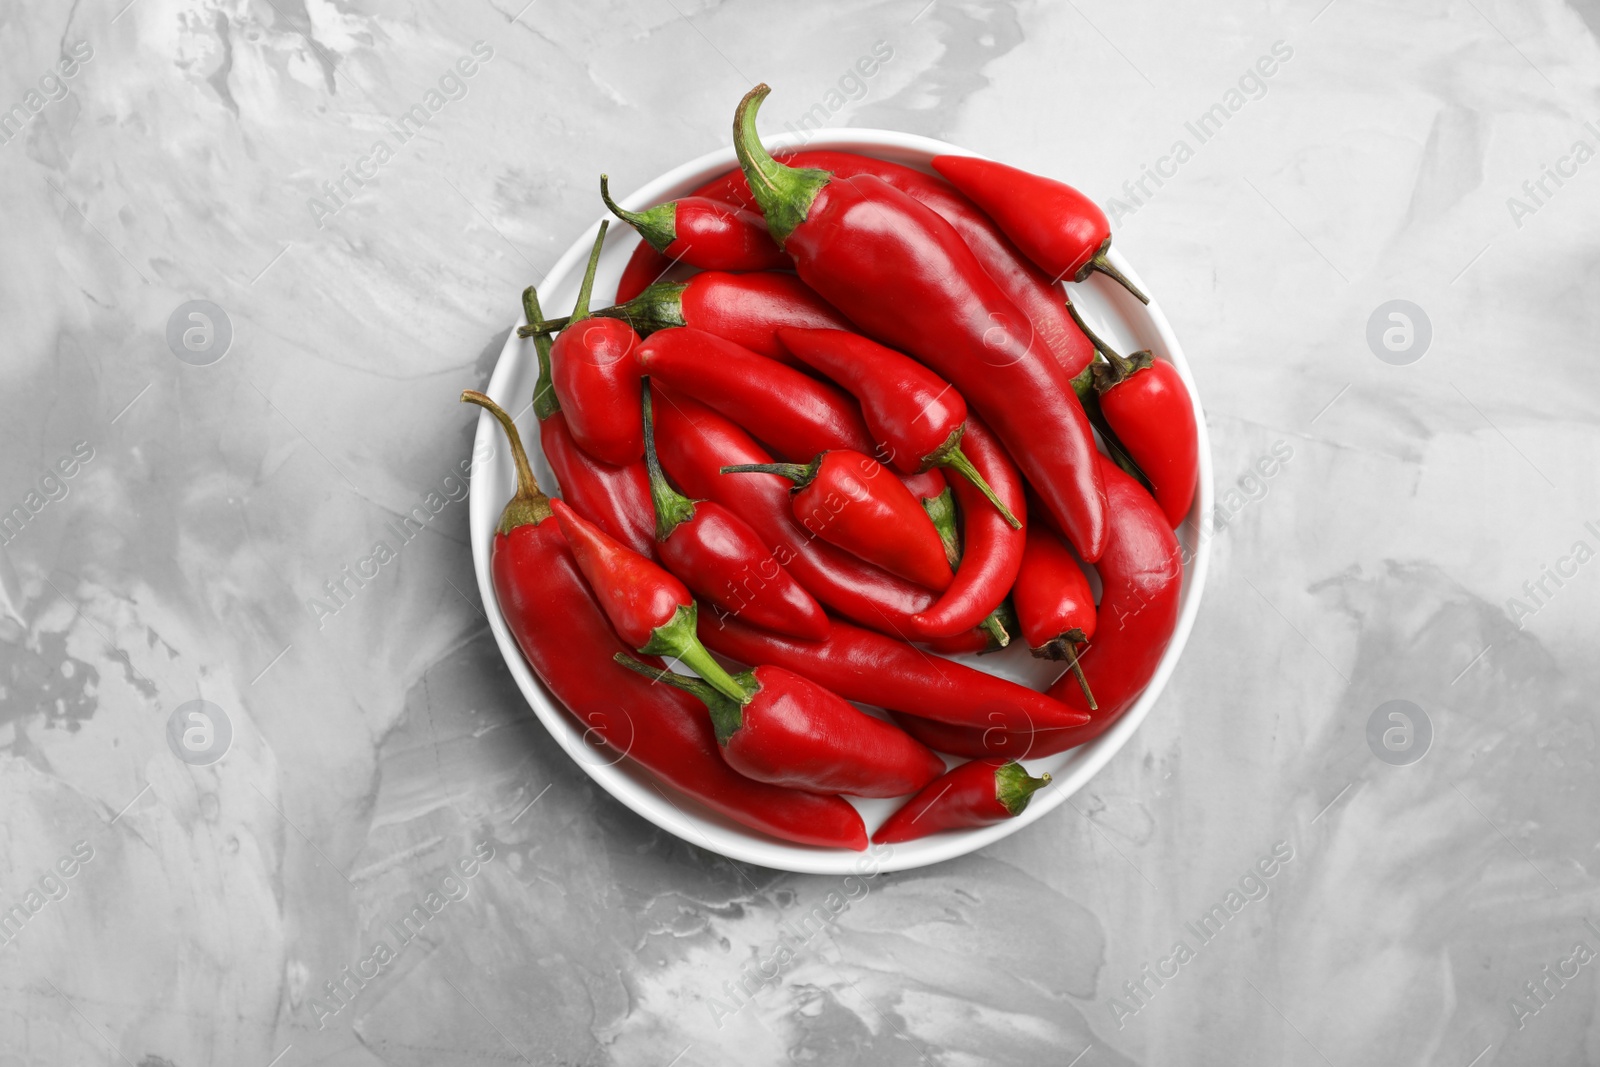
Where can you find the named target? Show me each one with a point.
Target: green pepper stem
(1099, 262)
(1122, 366)
(1014, 787)
(942, 510)
(580, 310)
(657, 225)
(726, 715)
(1065, 647)
(659, 307)
(1077, 672)
(783, 193)
(994, 624)
(672, 508)
(798, 473)
(951, 456)
(686, 682)
(545, 401)
(529, 505)
(676, 638)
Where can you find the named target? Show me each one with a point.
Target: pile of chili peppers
(865, 434)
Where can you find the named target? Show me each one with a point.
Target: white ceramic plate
(1118, 317)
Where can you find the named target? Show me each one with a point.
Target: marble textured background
(376, 749)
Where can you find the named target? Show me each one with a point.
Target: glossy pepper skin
(1145, 402)
(1054, 603)
(792, 412)
(979, 793)
(695, 442)
(1055, 607)
(991, 549)
(1063, 232)
(871, 668)
(849, 500)
(704, 233)
(1024, 284)
(643, 269)
(791, 732)
(649, 608)
(1141, 577)
(596, 378)
(916, 419)
(569, 643)
(747, 309)
(719, 556)
(905, 277)
(617, 499)
(1141, 581)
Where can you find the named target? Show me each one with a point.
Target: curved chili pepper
(1141, 577)
(870, 668)
(710, 234)
(1063, 232)
(650, 609)
(979, 793)
(720, 557)
(990, 635)
(789, 731)
(915, 416)
(695, 442)
(1035, 295)
(569, 643)
(843, 498)
(991, 550)
(905, 276)
(791, 411)
(617, 499)
(1054, 604)
(1144, 400)
(597, 379)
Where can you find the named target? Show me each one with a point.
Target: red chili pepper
(720, 557)
(746, 309)
(651, 610)
(704, 233)
(916, 418)
(617, 499)
(596, 378)
(789, 731)
(1025, 285)
(1145, 402)
(991, 550)
(791, 411)
(979, 793)
(1054, 604)
(905, 276)
(643, 268)
(695, 442)
(569, 643)
(994, 742)
(870, 668)
(1141, 577)
(1061, 230)
(990, 635)
(843, 498)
